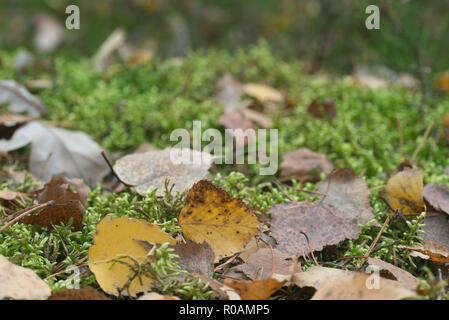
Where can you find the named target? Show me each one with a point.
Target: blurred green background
(325, 34)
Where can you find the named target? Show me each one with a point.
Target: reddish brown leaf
(436, 230)
(256, 289)
(349, 193)
(86, 293)
(437, 196)
(304, 164)
(325, 109)
(61, 190)
(405, 278)
(322, 224)
(195, 258)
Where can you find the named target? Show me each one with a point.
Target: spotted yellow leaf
(405, 190)
(115, 238)
(210, 215)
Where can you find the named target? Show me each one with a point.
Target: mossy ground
(125, 107)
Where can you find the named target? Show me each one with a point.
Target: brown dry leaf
(322, 224)
(405, 190)
(349, 193)
(237, 120)
(148, 171)
(445, 120)
(260, 264)
(229, 93)
(429, 250)
(317, 276)
(436, 230)
(304, 164)
(258, 118)
(141, 57)
(67, 203)
(9, 123)
(325, 109)
(19, 99)
(157, 296)
(405, 278)
(56, 151)
(210, 215)
(354, 287)
(21, 283)
(116, 237)
(86, 293)
(437, 197)
(195, 258)
(256, 289)
(8, 195)
(264, 94)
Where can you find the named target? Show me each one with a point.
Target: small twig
(221, 266)
(113, 171)
(310, 248)
(421, 143)
(27, 212)
(272, 255)
(375, 241)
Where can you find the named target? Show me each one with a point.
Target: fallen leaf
(8, 195)
(148, 171)
(86, 293)
(304, 164)
(406, 279)
(21, 283)
(255, 289)
(157, 296)
(322, 224)
(436, 231)
(56, 152)
(116, 237)
(257, 118)
(325, 109)
(264, 94)
(237, 121)
(67, 204)
(115, 40)
(445, 120)
(349, 193)
(195, 258)
(140, 57)
(9, 123)
(260, 264)
(354, 287)
(429, 251)
(49, 32)
(20, 100)
(317, 276)
(405, 190)
(442, 82)
(437, 197)
(229, 93)
(210, 215)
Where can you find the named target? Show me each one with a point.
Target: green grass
(124, 108)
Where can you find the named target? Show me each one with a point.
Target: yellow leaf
(442, 82)
(263, 93)
(405, 190)
(255, 290)
(210, 215)
(117, 237)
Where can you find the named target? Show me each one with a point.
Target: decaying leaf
(195, 258)
(21, 283)
(148, 171)
(436, 230)
(56, 151)
(67, 203)
(229, 93)
(429, 251)
(86, 293)
(437, 197)
(157, 296)
(115, 237)
(304, 164)
(237, 120)
(349, 193)
(255, 289)
(357, 287)
(318, 276)
(260, 264)
(8, 195)
(389, 271)
(210, 215)
(264, 94)
(320, 222)
(325, 109)
(405, 190)
(19, 99)
(9, 123)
